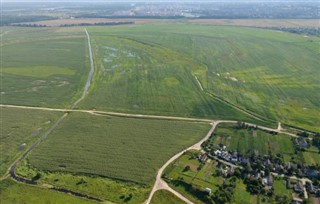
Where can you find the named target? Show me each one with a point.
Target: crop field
(19, 129)
(136, 77)
(270, 73)
(163, 196)
(12, 192)
(42, 66)
(246, 141)
(114, 147)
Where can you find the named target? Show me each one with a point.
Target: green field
(43, 66)
(12, 192)
(20, 128)
(311, 156)
(112, 147)
(100, 187)
(248, 141)
(163, 196)
(153, 69)
(136, 77)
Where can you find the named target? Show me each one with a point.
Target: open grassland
(249, 141)
(121, 148)
(190, 177)
(311, 156)
(100, 187)
(137, 77)
(163, 196)
(274, 74)
(12, 192)
(42, 66)
(19, 129)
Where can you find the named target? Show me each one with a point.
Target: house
(203, 157)
(207, 191)
(267, 181)
(300, 143)
(297, 201)
(298, 187)
(289, 184)
(311, 173)
(234, 157)
(311, 188)
(217, 152)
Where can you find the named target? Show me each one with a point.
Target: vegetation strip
(13, 167)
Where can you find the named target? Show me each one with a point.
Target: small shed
(208, 191)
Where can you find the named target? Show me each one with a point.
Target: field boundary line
(142, 116)
(130, 115)
(11, 171)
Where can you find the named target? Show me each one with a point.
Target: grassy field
(163, 196)
(280, 188)
(246, 141)
(311, 156)
(19, 129)
(114, 147)
(100, 187)
(133, 76)
(43, 66)
(12, 192)
(268, 72)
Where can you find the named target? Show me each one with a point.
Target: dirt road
(161, 184)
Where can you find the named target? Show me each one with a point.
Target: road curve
(161, 184)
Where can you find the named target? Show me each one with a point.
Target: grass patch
(270, 73)
(163, 196)
(141, 77)
(43, 67)
(38, 71)
(20, 128)
(117, 147)
(100, 187)
(13, 192)
(280, 188)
